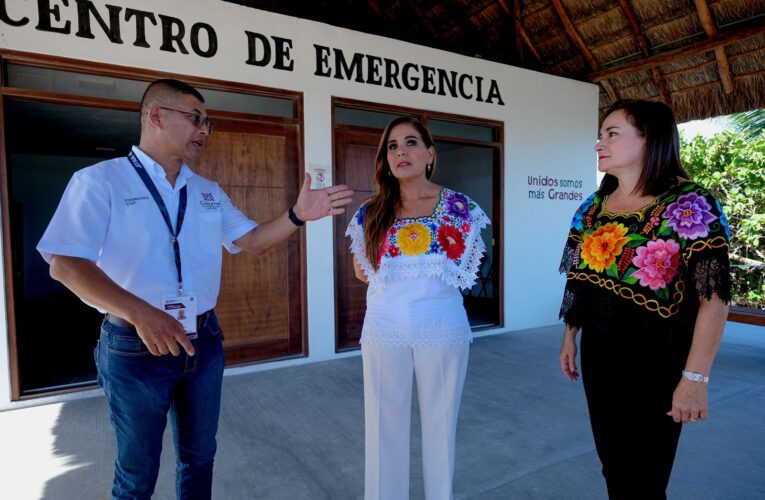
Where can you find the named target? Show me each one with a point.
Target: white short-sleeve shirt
(108, 216)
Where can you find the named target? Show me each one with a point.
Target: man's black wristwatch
(294, 218)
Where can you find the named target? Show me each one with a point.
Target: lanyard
(165, 214)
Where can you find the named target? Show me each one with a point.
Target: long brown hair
(661, 157)
(381, 208)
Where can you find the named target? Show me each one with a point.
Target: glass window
(461, 130)
(38, 172)
(80, 84)
(70, 130)
(248, 103)
(363, 117)
(107, 87)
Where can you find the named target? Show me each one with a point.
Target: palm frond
(750, 123)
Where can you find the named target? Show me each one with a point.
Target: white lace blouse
(413, 298)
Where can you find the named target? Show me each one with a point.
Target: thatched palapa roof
(704, 57)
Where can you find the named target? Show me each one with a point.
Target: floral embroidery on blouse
(578, 221)
(690, 216)
(451, 240)
(657, 263)
(448, 240)
(647, 256)
(457, 205)
(413, 239)
(600, 247)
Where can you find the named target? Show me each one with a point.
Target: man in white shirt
(140, 238)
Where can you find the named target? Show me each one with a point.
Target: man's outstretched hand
(313, 204)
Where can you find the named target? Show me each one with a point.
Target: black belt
(117, 321)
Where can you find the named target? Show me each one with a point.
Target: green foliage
(732, 167)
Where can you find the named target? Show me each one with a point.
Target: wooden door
(261, 299)
(354, 165)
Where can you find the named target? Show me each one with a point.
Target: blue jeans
(141, 389)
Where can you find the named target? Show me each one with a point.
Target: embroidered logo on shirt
(208, 202)
(132, 201)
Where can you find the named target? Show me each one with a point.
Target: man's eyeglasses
(196, 118)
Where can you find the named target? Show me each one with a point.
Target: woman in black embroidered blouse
(648, 284)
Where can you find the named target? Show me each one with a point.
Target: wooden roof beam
(695, 67)
(530, 44)
(574, 35)
(540, 8)
(632, 20)
(723, 66)
(740, 32)
(519, 28)
(576, 38)
(658, 80)
(752, 74)
(517, 56)
(421, 37)
(373, 5)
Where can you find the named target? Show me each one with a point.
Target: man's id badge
(184, 309)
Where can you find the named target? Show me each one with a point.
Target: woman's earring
(390, 174)
(429, 170)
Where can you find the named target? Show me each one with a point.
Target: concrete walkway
(297, 433)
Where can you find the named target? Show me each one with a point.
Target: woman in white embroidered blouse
(425, 244)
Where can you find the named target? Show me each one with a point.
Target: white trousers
(440, 374)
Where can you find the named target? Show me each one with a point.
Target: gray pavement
(297, 433)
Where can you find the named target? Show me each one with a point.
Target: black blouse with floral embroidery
(649, 266)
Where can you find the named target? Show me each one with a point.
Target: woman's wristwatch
(696, 377)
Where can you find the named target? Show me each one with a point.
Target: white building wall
(550, 129)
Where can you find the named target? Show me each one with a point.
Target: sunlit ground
(28, 458)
